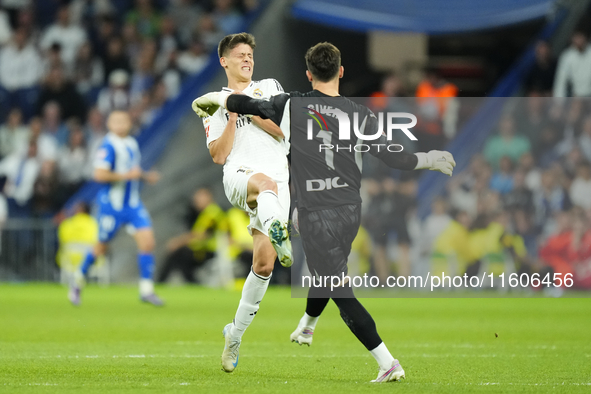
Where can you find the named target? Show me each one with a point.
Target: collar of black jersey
(318, 93)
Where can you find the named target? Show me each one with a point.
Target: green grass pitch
(114, 344)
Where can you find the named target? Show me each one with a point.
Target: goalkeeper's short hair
(323, 61)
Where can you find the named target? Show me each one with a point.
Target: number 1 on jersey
(326, 137)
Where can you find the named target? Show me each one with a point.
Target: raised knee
(263, 269)
(100, 249)
(147, 245)
(267, 184)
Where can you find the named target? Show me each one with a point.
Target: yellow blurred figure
(241, 245)
(76, 236)
(191, 250)
(490, 244)
(202, 237)
(240, 239)
(452, 252)
(457, 247)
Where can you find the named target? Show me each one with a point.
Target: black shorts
(381, 233)
(327, 236)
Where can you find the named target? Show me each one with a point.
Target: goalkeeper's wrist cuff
(423, 161)
(222, 97)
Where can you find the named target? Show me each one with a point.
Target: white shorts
(236, 189)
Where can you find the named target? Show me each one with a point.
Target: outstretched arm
(434, 160)
(103, 175)
(266, 109)
(399, 160)
(208, 104)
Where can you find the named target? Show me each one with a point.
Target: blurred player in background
(256, 177)
(192, 249)
(117, 167)
(329, 220)
(76, 235)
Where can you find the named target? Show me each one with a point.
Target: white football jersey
(253, 147)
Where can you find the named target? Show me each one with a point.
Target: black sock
(315, 303)
(358, 319)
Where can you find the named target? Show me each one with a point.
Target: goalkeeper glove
(436, 160)
(207, 104)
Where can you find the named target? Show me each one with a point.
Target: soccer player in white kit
(254, 155)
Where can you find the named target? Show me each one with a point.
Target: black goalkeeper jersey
(325, 170)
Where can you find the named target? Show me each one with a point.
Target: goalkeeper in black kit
(326, 173)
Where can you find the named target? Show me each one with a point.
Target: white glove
(436, 160)
(207, 104)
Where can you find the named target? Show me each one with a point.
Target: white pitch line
(408, 382)
(401, 354)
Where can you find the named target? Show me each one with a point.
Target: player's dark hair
(582, 31)
(323, 61)
(231, 41)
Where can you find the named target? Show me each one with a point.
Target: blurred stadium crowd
(64, 65)
(525, 198)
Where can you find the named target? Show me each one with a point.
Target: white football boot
(279, 237)
(302, 336)
(231, 348)
(77, 283)
(393, 374)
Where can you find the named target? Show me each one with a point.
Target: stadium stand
(73, 67)
(146, 56)
(522, 164)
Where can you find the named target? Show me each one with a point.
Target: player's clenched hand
(207, 104)
(437, 160)
(441, 161)
(151, 177)
(134, 173)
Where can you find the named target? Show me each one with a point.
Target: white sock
(308, 321)
(146, 287)
(253, 291)
(268, 208)
(77, 279)
(382, 356)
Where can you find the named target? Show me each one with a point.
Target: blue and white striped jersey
(119, 155)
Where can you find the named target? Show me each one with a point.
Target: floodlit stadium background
(528, 213)
(154, 57)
